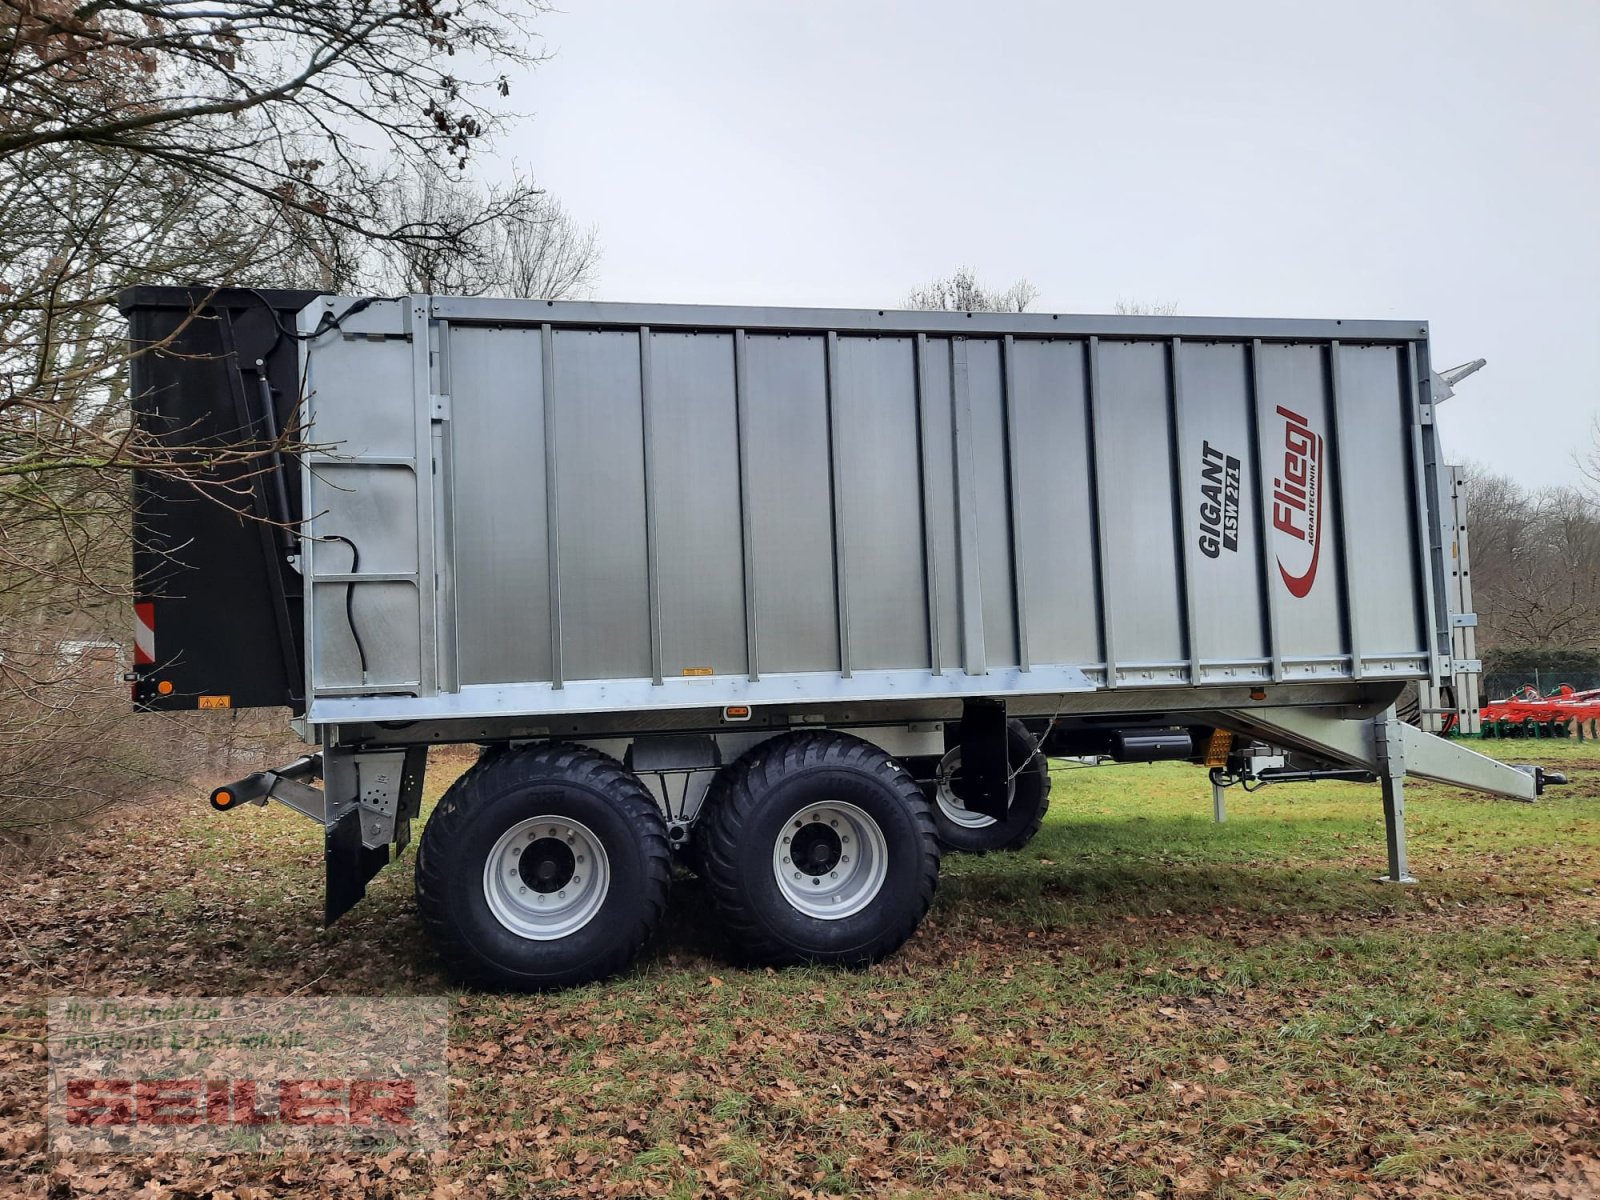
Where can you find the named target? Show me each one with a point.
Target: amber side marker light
(165, 687)
(1258, 693)
(222, 797)
(1217, 748)
(736, 712)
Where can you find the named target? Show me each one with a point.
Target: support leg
(1219, 803)
(1392, 775)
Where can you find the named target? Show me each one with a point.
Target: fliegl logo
(1297, 503)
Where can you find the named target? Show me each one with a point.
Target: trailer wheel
(818, 847)
(959, 828)
(542, 867)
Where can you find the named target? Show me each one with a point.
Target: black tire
(504, 791)
(1029, 802)
(751, 807)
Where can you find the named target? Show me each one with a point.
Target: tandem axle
(818, 843)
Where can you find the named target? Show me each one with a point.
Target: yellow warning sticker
(216, 701)
(697, 670)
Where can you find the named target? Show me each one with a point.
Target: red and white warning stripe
(144, 633)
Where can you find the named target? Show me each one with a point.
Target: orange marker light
(736, 712)
(222, 797)
(165, 687)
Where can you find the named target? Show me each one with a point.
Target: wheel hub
(830, 860)
(546, 878)
(547, 865)
(816, 848)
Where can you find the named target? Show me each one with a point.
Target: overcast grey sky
(1438, 161)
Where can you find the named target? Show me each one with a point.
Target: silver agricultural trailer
(802, 596)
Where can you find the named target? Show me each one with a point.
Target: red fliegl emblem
(1297, 503)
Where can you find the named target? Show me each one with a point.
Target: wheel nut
(816, 883)
(833, 874)
(835, 824)
(580, 858)
(515, 850)
(522, 891)
(844, 858)
(563, 895)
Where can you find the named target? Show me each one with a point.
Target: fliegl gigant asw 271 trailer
(803, 596)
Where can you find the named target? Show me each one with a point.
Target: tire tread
(484, 782)
(730, 804)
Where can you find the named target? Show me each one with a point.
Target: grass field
(1142, 1003)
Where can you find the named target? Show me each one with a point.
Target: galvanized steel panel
(695, 497)
(632, 499)
(498, 522)
(1220, 461)
(1052, 478)
(791, 506)
(1299, 500)
(939, 501)
(1141, 555)
(599, 444)
(1381, 549)
(875, 407)
(991, 490)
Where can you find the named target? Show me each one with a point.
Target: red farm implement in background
(1527, 713)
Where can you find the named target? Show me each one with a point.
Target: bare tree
(245, 142)
(1535, 564)
(1139, 308)
(961, 292)
(529, 247)
(263, 97)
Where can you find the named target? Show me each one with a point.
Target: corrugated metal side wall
(734, 503)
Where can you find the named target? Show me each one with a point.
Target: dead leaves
(1117, 1056)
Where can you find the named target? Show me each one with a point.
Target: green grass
(1140, 1001)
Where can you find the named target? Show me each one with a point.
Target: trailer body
(579, 508)
(673, 532)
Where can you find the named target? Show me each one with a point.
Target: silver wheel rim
(951, 805)
(841, 882)
(546, 878)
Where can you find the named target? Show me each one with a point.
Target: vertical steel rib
(1348, 534)
(930, 545)
(422, 469)
(841, 582)
(973, 657)
(1019, 581)
(1102, 553)
(652, 561)
(1425, 470)
(1264, 558)
(552, 499)
(741, 403)
(1187, 488)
